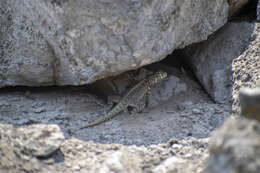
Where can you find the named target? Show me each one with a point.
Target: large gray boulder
(78, 42)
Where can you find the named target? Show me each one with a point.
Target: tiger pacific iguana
(136, 98)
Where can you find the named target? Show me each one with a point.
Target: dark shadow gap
(247, 13)
(178, 60)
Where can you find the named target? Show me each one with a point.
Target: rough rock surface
(74, 155)
(77, 42)
(235, 147)
(246, 68)
(211, 60)
(38, 140)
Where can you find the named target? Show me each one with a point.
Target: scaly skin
(131, 98)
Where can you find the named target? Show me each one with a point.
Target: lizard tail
(117, 109)
(94, 123)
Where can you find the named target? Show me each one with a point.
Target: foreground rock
(22, 148)
(235, 147)
(18, 154)
(78, 42)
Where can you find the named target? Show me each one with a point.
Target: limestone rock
(235, 147)
(77, 42)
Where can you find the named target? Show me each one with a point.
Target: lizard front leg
(138, 106)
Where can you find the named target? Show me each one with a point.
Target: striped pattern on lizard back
(136, 98)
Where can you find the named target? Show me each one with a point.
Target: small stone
(4, 103)
(188, 103)
(39, 110)
(196, 111)
(180, 107)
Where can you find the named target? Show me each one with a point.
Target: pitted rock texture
(77, 42)
(246, 68)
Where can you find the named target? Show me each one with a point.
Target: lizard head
(161, 74)
(156, 77)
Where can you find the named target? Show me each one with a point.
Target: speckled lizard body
(136, 98)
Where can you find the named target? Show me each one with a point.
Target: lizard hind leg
(137, 107)
(144, 102)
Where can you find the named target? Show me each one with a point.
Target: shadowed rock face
(78, 42)
(211, 60)
(250, 102)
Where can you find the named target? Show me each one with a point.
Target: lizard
(136, 98)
